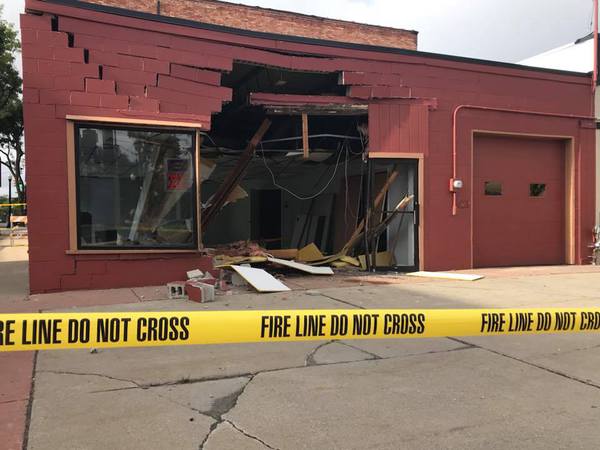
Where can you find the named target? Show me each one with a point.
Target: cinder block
(195, 59)
(200, 292)
(70, 82)
(176, 290)
(68, 54)
(30, 65)
(114, 101)
(129, 76)
(28, 36)
(54, 97)
(53, 38)
(31, 21)
(144, 104)
(91, 267)
(124, 88)
(90, 70)
(192, 87)
(116, 60)
(156, 66)
(35, 110)
(84, 99)
(194, 74)
(54, 68)
(31, 95)
(146, 51)
(96, 86)
(75, 282)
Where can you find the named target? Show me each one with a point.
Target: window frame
(73, 125)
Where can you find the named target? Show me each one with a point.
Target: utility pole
(9, 201)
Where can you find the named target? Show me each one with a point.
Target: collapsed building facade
(155, 131)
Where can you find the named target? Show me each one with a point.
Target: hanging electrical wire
(300, 197)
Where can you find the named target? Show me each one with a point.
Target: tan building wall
(272, 21)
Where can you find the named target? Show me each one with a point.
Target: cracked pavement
(493, 392)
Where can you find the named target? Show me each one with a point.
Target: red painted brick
(31, 21)
(54, 97)
(71, 83)
(144, 104)
(28, 36)
(85, 99)
(85, 70)
(68, 54)
(193, 74)
(195, 59)
(31, 95)
(75, 282)
(36, 110)
(209, 104)
(156, 66)
(53, 38)
(114, 101)
(54, 68)
(30, 65)
(177, 84)
(99, 86)
(40, 81)
(124, 88)
(129, 76)
(91, 267)
(116, 60)
(36, 50)
(147, 51)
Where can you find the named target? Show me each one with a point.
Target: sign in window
(135, 188)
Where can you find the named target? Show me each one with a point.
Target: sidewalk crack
(529, 363)
(248, 435)
(222, 406)
(310, 358)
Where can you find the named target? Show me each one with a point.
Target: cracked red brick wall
(76, 68)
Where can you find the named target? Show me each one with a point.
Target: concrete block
(114, 101)
(124, 88)
(99, 86)
(144, 104)
(176, 290)
(200, 292)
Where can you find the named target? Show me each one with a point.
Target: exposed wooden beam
(305, 147)
(231, 182)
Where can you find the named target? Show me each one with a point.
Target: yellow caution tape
(13, 204)
(142, 329)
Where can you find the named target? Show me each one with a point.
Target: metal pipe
(504, 110)
(367, 212)
(595, 77)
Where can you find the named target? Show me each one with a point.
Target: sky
(501, 30)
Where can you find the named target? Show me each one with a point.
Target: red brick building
(138, 112)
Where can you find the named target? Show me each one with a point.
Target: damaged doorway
(397, 248)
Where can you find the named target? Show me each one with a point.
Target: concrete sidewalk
(494, 392)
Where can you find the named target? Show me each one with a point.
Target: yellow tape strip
(13, 204)
(142, 329)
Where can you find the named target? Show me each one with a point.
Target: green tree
(11, 109)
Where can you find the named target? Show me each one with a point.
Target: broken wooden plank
(376, 203)
(302, 267)
(260, 279)
(305, 148)
(284, 253)
(447, 275)
(232, 181)
(309, 253)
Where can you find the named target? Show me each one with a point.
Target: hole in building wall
(287, 199)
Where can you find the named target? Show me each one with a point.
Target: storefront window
(135, 188)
